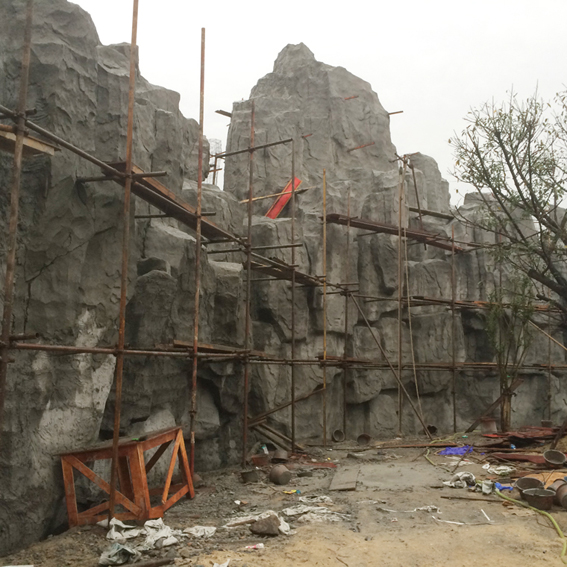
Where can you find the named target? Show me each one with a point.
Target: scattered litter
(456, 450)
(501, 470)
(119, 531)
(201, 531)
(435, 509)
(461, 480)
(159, 535)
(225, 564)
(449, 522)
(486, 515)
(313, 518)
(487, 487)
(118, 554)
(458, 462)
(257, 546)
(292, 491)
(316, 499)
(313, 514)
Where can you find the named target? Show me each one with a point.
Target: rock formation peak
(293, 56)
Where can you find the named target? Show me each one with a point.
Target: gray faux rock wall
(68, 268)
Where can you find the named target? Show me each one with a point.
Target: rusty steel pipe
(293, 297)
(248, 284)
(453, 330)
(401, 197)
(346, 292)
(11, 241)
(193, 410)
(253, 148)
(124, 271)
(72, 350)
(324, 308)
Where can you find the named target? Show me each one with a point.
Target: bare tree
(515, 155)
(508, 325)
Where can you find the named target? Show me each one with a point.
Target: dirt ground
(378, 522)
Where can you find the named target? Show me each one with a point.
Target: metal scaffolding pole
(347, 276)
(324, 308)
(11, 241)
(453, 330)
(193, 411)
(549, 396)
(293, 296)
(400, 288)
(124, 271)
(248, 286)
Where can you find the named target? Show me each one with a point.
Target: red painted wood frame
(134, 494)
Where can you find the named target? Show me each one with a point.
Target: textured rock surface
(67, 280)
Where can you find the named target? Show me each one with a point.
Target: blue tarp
(457, 450)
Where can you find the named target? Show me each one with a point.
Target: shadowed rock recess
(68, 268)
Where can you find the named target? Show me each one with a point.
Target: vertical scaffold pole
(124, 269)
(324, 308)
(293, 296)
(400, 286)
(347, 276)
(248, 285)
(454, 329)
(193, 411)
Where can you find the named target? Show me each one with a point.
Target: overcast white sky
(433, 59)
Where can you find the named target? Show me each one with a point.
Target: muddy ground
(378, 522)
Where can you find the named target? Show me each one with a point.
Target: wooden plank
(184, 465)
(70, 497)
(32, 145)
(345, 479)
(171, 469)
(95, 510)
(157, 455)
(101, 483)
(124, 478)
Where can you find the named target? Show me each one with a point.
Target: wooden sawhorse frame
(134, 494)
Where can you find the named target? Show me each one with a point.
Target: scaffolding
(18, 140)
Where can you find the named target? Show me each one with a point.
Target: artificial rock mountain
(68, 268)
